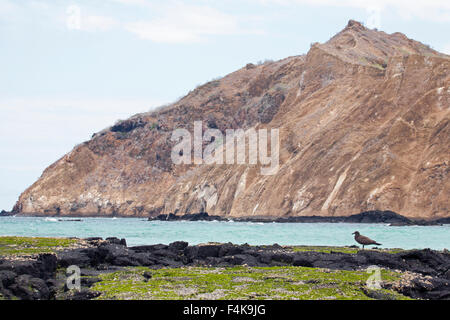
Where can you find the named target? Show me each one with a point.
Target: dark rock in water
(399, 224)
(427, 223)
(416, 223)
(443, 220)
(196, 216)
(374, 216)
(202, 216)
(377, 216)
(305, 219)
(164, 217)
(4, 213)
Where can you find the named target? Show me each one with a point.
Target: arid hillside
(363, 124)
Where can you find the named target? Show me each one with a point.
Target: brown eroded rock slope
(363, 120)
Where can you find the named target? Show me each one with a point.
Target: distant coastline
(374, 216)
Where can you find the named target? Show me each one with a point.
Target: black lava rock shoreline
(374, 216)
(4, 213)
(36, 278)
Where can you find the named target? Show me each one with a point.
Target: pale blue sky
(71, 68)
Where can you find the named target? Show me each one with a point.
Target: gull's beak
(353, 233)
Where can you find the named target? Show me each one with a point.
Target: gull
(364, 240)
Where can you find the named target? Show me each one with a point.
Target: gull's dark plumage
(364, 240)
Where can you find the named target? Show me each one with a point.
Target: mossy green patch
(241, 283)
(32, 245)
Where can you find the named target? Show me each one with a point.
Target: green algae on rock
(11, 245)
(243, 283)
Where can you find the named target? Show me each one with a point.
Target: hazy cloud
(132, 2)
(172, 22)
(185, 23)
(98, 23)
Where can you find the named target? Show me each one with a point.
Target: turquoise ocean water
(138, 231)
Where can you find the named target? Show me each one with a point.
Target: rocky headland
(363, 124)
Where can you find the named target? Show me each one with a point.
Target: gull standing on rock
(364, 240)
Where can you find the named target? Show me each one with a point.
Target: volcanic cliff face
(363, 121)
